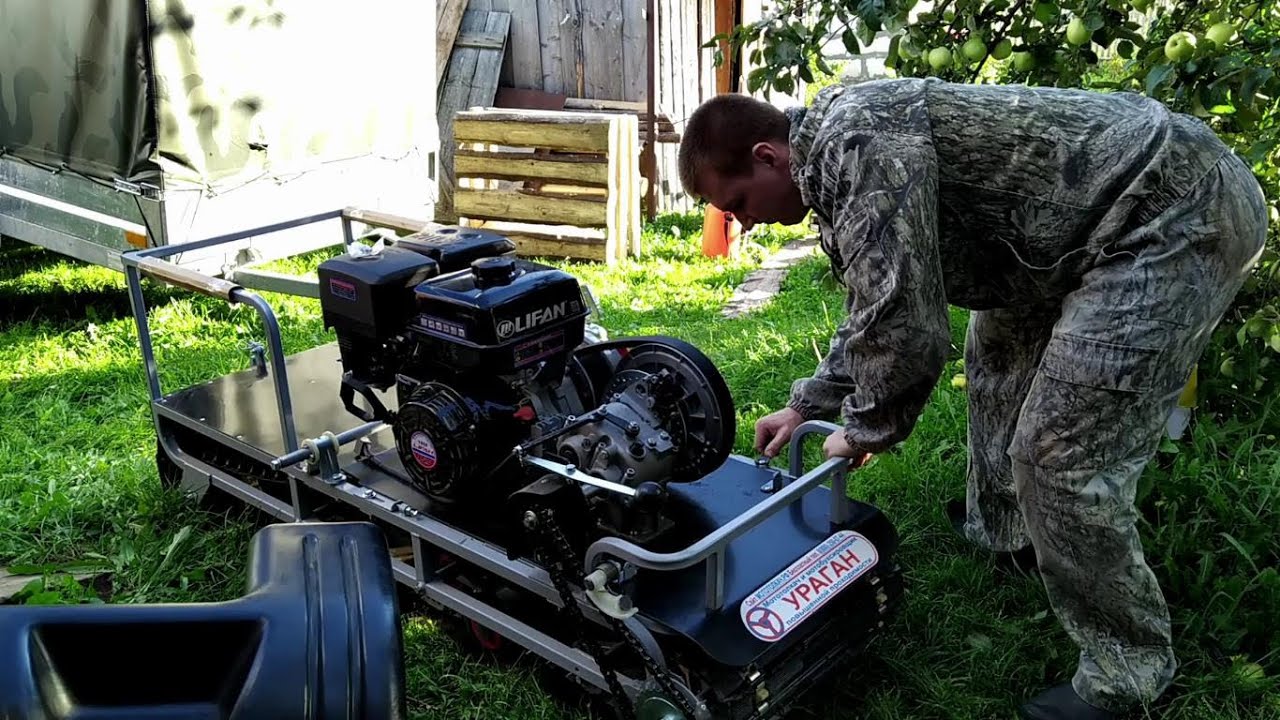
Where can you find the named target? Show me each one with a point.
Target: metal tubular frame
(710, 549)
(299, 464)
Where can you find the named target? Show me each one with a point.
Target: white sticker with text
(797, 592)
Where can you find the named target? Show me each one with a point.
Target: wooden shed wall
(684, 78)
(599, 49)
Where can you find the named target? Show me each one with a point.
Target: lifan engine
(493, 362)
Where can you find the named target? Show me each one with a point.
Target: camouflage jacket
(929, 194)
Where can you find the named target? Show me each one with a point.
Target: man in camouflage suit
(1097, 240)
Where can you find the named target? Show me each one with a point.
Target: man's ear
(765, 152)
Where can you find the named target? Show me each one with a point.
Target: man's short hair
(720, 134)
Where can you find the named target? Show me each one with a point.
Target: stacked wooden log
(664, 129)
(559, 183)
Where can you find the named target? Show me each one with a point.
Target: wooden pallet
(559, 183)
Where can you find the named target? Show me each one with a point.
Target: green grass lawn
(78, 486)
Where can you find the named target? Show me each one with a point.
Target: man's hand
(837, 446)
(774, 430)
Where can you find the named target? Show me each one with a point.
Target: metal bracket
(570, 472)
(776, 482)
(311, 450)
(324, 458)
(608, 602)
(146, 190)
(257, 357)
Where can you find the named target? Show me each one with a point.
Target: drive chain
(561, 559)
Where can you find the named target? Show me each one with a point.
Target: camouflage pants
(1067, 405)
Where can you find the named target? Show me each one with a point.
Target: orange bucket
(720, 232)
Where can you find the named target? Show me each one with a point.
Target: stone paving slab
(761, 285)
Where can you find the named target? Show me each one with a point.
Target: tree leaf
(851, 42)
(787, 53)
(1157, 76)
(1225, 67)
(1047, 12)
(871, 8)
(1252, 81)
(1259, 151)
(1127, 34)
(864, 31)
(978, 641)
(1246, 117)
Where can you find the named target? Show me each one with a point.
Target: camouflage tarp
(74, 86)
(271, 88)
(227, 92)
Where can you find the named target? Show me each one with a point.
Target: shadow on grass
(17, 258)
(64, 306)
(43, 288)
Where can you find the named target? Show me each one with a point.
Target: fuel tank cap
(493, 271)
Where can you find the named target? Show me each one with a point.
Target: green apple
(1181, 47)
(974, 49)
(1141, 5)
(1221, 33)
(1252, 673)
(1077, 32)
(1228, 367)
(1003, 49)
(1257, 327)
(1023, 61)
(939, 58)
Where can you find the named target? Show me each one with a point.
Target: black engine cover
(372, 295)
(455, 248)
(368, 300)
(501, 316)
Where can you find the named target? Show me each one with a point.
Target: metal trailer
(158, 123)
(282, 442)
